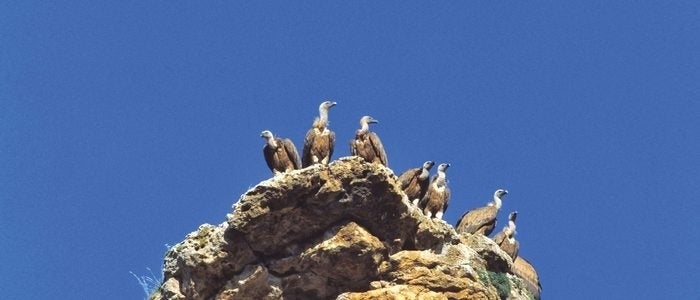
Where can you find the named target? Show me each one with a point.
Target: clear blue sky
(123, 127)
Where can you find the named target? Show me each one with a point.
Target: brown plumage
(414, 182)
(436, 199)
(481, 220)
(523, 269)
(319, 141)
(280, 154)
(367, 144)
(506, 238)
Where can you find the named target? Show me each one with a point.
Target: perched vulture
(435, 201)
(319, 141)
(483, 219)
(414, 182)
(506, 238)
(367, 144)
(280, 154)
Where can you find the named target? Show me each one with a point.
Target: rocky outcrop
(343, 231)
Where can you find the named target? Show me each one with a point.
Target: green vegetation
(499, 280)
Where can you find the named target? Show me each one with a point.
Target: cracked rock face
(343, 231)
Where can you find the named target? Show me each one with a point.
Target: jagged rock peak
(342, 231)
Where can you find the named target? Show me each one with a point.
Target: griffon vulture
(414, 182)
(367, 144)
(319, 141)
(435, 201)
(483, 219)
(506, 238)
(280, 154)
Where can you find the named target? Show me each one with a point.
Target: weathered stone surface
(345, 230)
(347, 260)
(171, 290)
(449, 273)
(496, 259)
(395, 292)
(203, 256)
(293, 208)
(254, 282)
